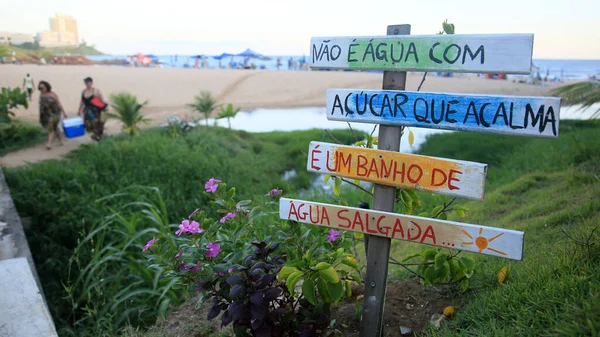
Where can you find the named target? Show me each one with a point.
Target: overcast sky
(563, 29)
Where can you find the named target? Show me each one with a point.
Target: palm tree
(128, 112)
(585, 93)
(205, 104)
(228, 113)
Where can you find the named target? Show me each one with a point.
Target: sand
(169, 90)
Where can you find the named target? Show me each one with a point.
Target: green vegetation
(128, 112)
(586, 93)
(22, 51)
(205, 104)
(228, 112)
(61, 197)
(20, 134)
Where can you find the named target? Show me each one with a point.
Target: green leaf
(467, 263)
(424, 214)
(326, 178)
(440, 258)
(293, 279)
(350, 264)
(329, 275)
(308, 290)
(323, 290)
(360, 143)
(336, 290)
(359, 235)
(285, 272)
(443, 216)
(412, 256)
(429, 255)
(436, 210)
(356, 181)
(322, 265)
(464, 285)
(337, 182)
(348, 284)
(460, 212)
(411, 138)
(336, 189)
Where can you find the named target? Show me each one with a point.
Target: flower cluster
(228, 216)
(187, 227)
(213, 249)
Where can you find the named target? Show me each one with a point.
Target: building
(63, 32)
(15, 38)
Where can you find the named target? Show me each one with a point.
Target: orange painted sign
(492, 241)
(443, 176)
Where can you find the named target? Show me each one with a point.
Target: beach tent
(252, 54)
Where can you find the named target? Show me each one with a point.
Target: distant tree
(29, 45)
(228, 112)
(3, 50)
(127, 110)
(585, 93)
(205, 104)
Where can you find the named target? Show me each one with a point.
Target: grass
(60, 197)
(21, 134)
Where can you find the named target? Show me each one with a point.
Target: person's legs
(29, 91)
(59, 137)
(50, 139)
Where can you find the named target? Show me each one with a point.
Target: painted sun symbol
(481, 242)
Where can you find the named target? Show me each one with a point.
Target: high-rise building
(63, 32)
(61, 23)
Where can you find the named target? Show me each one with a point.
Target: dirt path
(39, 152)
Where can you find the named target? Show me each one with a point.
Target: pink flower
(150, 243)
(194, 212)
(273, 192)
(183, 267)
(187, 227)
(228, 216)
(177, 255)
(333, 235)
(212, 185)
(230, 270)
(213, 249)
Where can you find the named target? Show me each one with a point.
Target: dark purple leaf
(272, 294)
(258, 265)
(236, 310)
(278, 311)
(259, 244)
(247, 261)
(266, 280)
(214, 312)
(256, 323)
(273, 247)
(259, 311)
(256, 272)
(307, 332)
(236, 291)
(265, 331)
(257, 298)
(235, 279)
(268, 266)
(225, 318)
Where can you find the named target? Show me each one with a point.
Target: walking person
(91, 106)
(50, 112)
(28, 84)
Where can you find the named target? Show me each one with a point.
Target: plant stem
(422, 81)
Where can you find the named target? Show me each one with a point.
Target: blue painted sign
(511, 115)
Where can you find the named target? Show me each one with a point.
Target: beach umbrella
(198, 57)
(222, 56)
(153, 57)
(252, 54)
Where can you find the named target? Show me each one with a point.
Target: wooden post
(383, 200)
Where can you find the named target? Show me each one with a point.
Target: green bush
(19, 134)
(60, 196)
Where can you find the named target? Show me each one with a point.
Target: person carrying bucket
(91, 106)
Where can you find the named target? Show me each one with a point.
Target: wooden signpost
(394, 108)
(511, 115)
(457, 53)
(443, 176)
(472, 238)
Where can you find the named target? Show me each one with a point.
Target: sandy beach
(168, 90)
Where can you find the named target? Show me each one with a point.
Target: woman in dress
(50, 112)
(92, 113)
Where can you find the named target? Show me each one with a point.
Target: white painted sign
(443, 176)
(505, 53)
(492, 241)
(511, 115)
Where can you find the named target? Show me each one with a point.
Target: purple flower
(194, 212)
(273, 192)
(187, 227)
(183, 267)
(212, 185)
(150, 243)
(228, 216)
(333, 235)
(177, 255)
(197, 267)
(213, 249)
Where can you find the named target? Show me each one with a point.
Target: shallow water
(266, 120)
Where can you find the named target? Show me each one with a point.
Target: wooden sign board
(511, 115)
(509, 54)
(498, 242)
(443, 176)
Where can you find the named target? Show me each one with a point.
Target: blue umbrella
(222, 56)
(252, 54)
(198, 57)
(154, 57)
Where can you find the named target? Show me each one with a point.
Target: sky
(565, 29)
